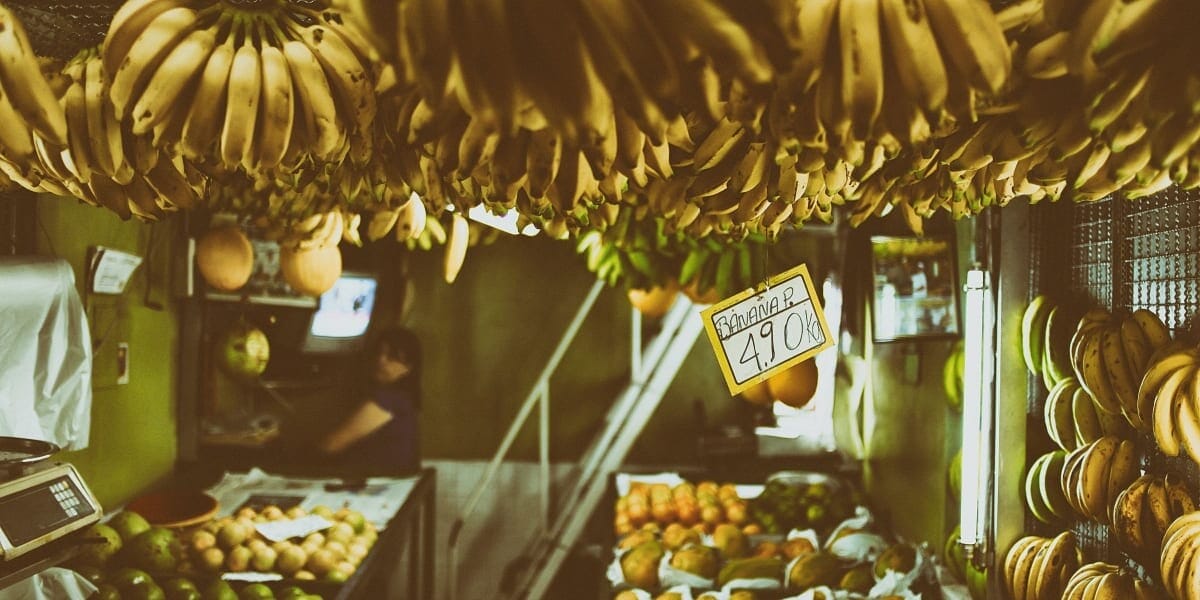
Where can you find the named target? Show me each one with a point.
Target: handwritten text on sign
(758, 333)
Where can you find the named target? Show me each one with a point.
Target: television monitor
(343, 316)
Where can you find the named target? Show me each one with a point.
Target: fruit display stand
(794, 532)
(273, 537)
(1115, 267)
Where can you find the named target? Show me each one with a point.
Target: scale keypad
(67, 498)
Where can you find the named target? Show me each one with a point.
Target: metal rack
(1121, 255)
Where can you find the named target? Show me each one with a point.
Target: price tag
(758, 333)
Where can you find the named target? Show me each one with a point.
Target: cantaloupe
(795, 386)
(656, 301)
(311, 272)
(225, 257)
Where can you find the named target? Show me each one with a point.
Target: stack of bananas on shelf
(1111, 353)
(251, 86)
(1098, 580)
(29, 108)
(1178, 560)
(1044, 489)
(1038, 568)
(1046, 329)
(1095, 474)
(1145, 509)
(1073, 419)
(1171, 389)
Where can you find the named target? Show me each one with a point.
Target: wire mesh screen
(62, 29)
(1122, 255)
(1161, 271)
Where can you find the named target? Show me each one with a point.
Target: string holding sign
(758, 333)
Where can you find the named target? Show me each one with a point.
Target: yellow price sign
(758, 333)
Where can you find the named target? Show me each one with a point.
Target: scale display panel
(30, 514)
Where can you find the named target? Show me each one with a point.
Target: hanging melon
(758, 394)
(225, 257)
(311, 271)
(795, 386)
(656, 301)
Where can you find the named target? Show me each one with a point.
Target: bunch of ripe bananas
(254, 86)
(1145, 510)
(29, 108)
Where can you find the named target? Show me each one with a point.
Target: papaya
(858, 580)
(640, 565)
(812, 570)
(750, 568)
(730, 540)
(697, 560)
(900, 558)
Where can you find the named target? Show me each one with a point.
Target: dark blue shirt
(394, 448)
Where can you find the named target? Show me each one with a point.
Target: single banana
(1127, 513)
(1094, 479)
(456, 247)
(1187, 419)
(147, 52)
(411, 221)
(1047, 59)
(315, 97)
(351, 81)
(1167, 404)
(1096, 378)
(241, 109)
(1122, 471)
(1137, 350)
(861, 42)
(26, 87)
(1152, 327)
(972, 36)
(277, 112)
(207, 111)
(914, 49)
(178, 69)
(1120, 375)
(808, 26)
(1083, 414)
(1033, 332)
(16, 140)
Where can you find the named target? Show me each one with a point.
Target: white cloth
(55, 583)
(45, 353)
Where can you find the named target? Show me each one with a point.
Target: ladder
(654, 366)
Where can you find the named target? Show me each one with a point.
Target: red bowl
(175, 509)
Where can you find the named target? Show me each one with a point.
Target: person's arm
(364, 421)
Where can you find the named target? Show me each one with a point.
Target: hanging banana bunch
(256, 86)
(147, 186)
(28, 105)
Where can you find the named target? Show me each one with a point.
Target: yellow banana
(862, 63)
(152, 45)
(1167, 404)
(314, 97)
(278, 111)
(412, 219)
(206, 113)
(808, 27)
(913, 48)
(180, 67)
(456, 247)
(974, 41)
(241, 109)
(352, 83)
(26, 87)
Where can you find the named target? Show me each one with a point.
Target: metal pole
(635, 349)
(544, 451)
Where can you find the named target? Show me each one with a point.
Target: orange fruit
(795, 386)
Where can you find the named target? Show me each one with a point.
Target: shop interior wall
(133, 436)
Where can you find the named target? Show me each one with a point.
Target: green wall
(133, 440)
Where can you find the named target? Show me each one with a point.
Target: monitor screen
(343, 314)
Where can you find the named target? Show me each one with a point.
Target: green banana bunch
(635, 253)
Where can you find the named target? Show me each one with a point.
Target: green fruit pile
(783, 507)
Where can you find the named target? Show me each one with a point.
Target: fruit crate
(1121, 255)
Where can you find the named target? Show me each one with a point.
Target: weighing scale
(39, 504)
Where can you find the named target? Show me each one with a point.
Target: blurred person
(380, 437)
